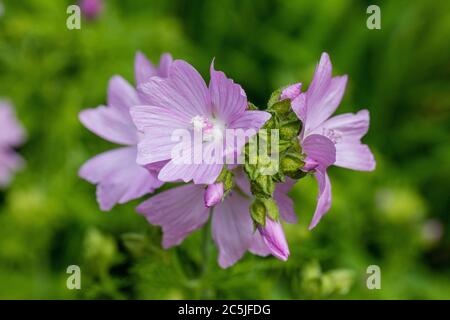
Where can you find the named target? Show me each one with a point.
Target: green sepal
(282, 107)
(258, 212)
(274, 98)
(271, 209)
(262, 187)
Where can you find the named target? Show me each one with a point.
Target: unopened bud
(213, 194)
(274, 238)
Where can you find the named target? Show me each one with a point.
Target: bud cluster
(290, 159)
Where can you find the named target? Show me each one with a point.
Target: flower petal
(110, 124)
(291, 92)
(119, 179)
(159, 125)
(143, 68)
(250, 120)
(347, 126)
(122, 96)
(179, 211)
(165, 62)
(354, 155)
(319, 148)
(184, 91)
(232, 229)
(323, 199)
(198, 173)
(284, 202)
(323, 95)
(228, 98)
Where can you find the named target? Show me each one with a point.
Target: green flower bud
(262, 187)
(289, 130)
(258, 212)
(274, 98)
(282, 108)
(260, 208)
(291, 163)
(271, 209)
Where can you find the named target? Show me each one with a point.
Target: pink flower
(183, 101)
(91, 9)
(117, 176)
(180, 211)
(327, 141)
(11, 135)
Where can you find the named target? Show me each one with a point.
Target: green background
(49, 218)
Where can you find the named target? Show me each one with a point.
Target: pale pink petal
(198, 173)
(323, 198)
(122, 96)
(299, 106)
(284, 202)
(232, 229)
(159, 126)
(179, 211)
(228, 98)
(323, 95)
(184, 91)
(322, 108)
(258, 246)
(250, 120)
(143, 68)
(119, 179)
(165, 62)
(321, 81)
(319, 148)
(346, 127)
(242, 182)
(110, 124)
(354, 155)
(291, 92)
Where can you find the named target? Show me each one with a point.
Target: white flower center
(211, 129)
(331, 134)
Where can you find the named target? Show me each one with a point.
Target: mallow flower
(181, 210)
(117, 176)
(11, 135)
(328, 141)
(91, 9)
(183, 101)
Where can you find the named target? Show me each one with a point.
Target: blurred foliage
(396, 217)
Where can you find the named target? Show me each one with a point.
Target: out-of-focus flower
(326, 141)
(182, 101)
(181, 210)
(117, 176)
(91, 9)
(11, 135)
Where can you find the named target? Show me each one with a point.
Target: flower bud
(213, 194)
(273, 236)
